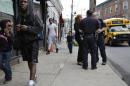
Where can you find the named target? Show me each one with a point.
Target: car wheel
(129, 43)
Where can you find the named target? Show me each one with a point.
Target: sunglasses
(9, 25)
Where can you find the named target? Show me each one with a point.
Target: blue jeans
(5, 64)
(70, 46)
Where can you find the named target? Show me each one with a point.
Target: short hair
(3, 23)
(50, 19)
(89, 13)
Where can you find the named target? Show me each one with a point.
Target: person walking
(52, 35)
(89, 25)
(28, 25)
(70, 41)
(5, 48)
(79, 39)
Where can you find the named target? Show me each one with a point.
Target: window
(110, 10)
(125, 5)
(116, 7)
(106, 11)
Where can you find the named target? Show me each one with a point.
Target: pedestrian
(89, 25)
(100, 43)
(5, 48)
(70, 41)
(79, 39)
(52, 35)
(28, 25)
(56, 42)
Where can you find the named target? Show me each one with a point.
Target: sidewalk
(61, 70)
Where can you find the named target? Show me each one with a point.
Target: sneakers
(48, 52)
(31, 83)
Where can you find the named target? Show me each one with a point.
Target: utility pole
(92, 5)
(71, 16)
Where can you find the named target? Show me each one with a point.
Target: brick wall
(111, 8)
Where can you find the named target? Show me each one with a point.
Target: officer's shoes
(103, 63)
(93, 68)
(85, 68)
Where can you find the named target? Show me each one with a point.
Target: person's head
(5, 25)
(89, 13)
(23, 5)
(78, 18)
(50, 20)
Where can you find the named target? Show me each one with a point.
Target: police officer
(100, 43)
(89, 25)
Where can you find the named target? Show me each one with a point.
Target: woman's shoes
(79, 63)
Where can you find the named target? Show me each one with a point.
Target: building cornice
(103, 3)
(57, 4)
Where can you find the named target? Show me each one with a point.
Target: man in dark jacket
(89, 25)
(27, 28)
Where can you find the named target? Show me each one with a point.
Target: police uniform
(101, 44)
(89, 26)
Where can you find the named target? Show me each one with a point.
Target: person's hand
(24, 27)
(4, 37)
(18, 27)
(99, 31)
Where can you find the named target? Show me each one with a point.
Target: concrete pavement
(60, 69)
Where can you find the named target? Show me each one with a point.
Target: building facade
(113, 9)
(129, 8)
(54, 10)
(6, 9)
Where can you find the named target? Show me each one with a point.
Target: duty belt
(89, 35)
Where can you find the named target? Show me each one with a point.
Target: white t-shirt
(52, 27)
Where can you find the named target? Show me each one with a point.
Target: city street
(61, 70)
(58, 25)
(120, 59)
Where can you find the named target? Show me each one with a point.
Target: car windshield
(119, 29)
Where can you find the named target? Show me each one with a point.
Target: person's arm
(76, 27)
(101, 30)
(81, 25)
(55, 27)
